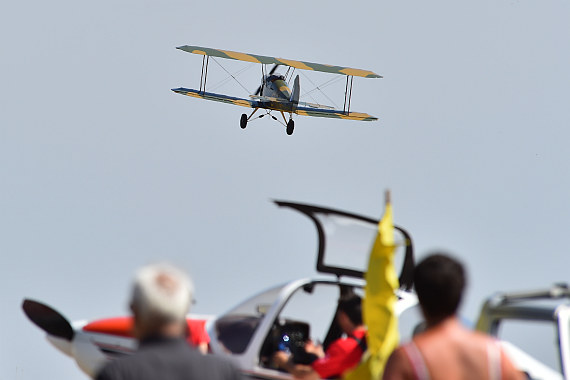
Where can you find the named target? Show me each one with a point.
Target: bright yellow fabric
(379, 303)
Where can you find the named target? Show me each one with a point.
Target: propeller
(48, 319)
(258, 91)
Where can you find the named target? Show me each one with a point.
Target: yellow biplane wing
(334, 114)
(217, 97)
(275, 104)
(279, 61)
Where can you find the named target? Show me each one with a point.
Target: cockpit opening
(275, 77)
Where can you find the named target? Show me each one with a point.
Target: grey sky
(103, 168)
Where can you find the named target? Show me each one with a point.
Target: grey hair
(161, 292)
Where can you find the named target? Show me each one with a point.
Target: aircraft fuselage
(275, 86)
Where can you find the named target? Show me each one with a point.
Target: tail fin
(296, 92)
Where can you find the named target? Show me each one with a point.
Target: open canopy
(345, 241)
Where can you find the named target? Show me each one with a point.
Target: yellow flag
(378, 305)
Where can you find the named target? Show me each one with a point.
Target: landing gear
(290, 127)
(243, 121)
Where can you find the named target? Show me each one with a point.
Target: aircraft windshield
(258, 304)
(235, 329)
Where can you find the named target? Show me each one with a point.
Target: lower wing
(309, 109)
(277, 105)
(335, 114)
(217, 97)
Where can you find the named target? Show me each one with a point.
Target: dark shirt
(168, 359)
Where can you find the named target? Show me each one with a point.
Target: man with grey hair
(160, 299)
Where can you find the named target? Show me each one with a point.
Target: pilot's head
(349, 312)
(439, 281)
(160, 300)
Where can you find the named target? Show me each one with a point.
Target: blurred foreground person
(446, 349)
(160, 300)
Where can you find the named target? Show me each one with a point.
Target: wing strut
(347, 94)
(204, 74)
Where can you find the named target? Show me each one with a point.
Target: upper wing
(279, 61)
(217, 97)
(336, 114)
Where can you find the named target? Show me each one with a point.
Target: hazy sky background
(104, 169)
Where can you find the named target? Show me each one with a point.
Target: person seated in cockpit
(342, 354)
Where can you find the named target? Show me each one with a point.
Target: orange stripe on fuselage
(121, 326)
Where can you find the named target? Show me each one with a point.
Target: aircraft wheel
(243, 121)
(290, 127)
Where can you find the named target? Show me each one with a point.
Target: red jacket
(342, 354)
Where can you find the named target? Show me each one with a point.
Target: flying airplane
(274, 93)
(283, 315)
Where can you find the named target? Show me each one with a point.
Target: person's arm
(203, 348)
(282, 359)
(334, 363)
(315, 349)
(398, 367)
(508, 369)
(299, 371)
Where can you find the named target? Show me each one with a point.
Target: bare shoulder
(398, 366)
(507, 368)
(510, 372)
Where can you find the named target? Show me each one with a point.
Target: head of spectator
(160, 300)
(439, 281)
(349, 315)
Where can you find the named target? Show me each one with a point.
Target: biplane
(274, 93)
